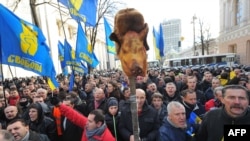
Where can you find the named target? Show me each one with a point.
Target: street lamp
(193, 22)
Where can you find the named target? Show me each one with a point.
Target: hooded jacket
(43, 124)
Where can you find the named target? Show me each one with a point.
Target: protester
(174, 126)
(192, 84)
(171, 93)
(209, 93)
(40, 123)
(70, 131)
(216, 101)
(98, 102)
(14, 96)
(157, 104)
(189, 100)
(20, 130)
(11, 113)
(147, 119)
(112, 117)
(235, 111)
(94, 127)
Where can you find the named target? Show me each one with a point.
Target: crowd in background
(98, 106)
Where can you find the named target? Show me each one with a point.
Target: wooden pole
(133, 108)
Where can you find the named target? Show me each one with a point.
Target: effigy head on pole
(130, 36)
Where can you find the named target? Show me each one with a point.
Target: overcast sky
(156, 11)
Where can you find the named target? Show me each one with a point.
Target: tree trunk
(133, 108)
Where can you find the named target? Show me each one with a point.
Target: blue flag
(79, 67)
(84, 67)
(71, 81)
(156, 44)
(110, 44)
(61, 54)
(161, 41)
(23, 45)
(71, 59)
(82, 10)
(69, 54)
(84, 50)
(61, 58)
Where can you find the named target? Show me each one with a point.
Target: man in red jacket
(93, 125)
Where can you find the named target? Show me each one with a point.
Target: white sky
(156, 11)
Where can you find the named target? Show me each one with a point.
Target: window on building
(239, 11)
(72, 32)
(60, 28)
(232, 48)
(248, 51)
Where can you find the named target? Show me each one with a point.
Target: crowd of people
(183, 104)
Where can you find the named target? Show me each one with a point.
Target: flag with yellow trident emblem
(23, 45)
(82, 10)
(84, 50)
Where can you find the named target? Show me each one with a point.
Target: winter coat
(170, 133)
(72, 132)
(110, 121)
(102, 106)
(212, 126)
(43, 124)
(148, 123)
(37, 137)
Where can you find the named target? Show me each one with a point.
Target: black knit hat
(112, 101)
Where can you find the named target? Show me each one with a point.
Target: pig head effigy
(130, 36)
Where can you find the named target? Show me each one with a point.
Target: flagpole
(108, 60)
(10, 72)
(1, 65)
(59, 7)
(73, 72)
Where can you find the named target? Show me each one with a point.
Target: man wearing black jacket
(235, 111)
(147, 118)
(20, 130)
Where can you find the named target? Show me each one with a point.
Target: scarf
(95, 132)
(57, 115)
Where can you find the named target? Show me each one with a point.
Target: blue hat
(112, 101)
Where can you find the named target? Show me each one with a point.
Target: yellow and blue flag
(84, 50)
(194, 119)
(156, 44)
(23, 45)
(82, 10)
(110, 44)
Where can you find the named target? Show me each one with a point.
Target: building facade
(235, 28)
(172, 35)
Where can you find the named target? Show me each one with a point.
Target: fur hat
(112, 101)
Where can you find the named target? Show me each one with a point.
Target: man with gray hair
(174, 124)
(216, 101)
(6, 136)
